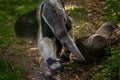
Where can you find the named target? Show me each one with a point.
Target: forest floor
(73, 70)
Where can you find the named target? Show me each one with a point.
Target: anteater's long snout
(71, 46)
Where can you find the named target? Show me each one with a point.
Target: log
(111, 31)
(93, 46)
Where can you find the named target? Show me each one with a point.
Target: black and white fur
(54, 27)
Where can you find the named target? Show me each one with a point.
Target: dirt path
(29, 64)
(73, 70)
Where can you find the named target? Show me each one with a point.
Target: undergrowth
(110, 68)
(10, 11)
(10, 72)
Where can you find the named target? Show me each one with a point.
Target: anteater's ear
(26, 25)
(54, 15)
(69, 23)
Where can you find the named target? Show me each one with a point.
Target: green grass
(110, 68)
(10, 11)
(10, 72)
(77, 13)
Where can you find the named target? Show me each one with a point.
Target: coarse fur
(54, 27)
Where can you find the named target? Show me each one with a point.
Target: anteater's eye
(65, 20)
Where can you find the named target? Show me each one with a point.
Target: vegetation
(112, 12)
(10, 72)
(110, 68)
(10, 10)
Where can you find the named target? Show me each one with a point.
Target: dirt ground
(33, 71)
